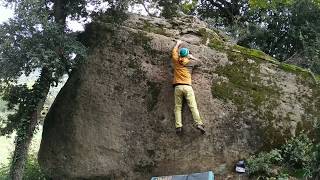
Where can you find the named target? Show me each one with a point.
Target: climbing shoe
(179, 130)
(200, 127)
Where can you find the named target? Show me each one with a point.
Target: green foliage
(15, 95)
(33, 41)
(2, 106)
(298, 157)
(3, 111)
(188, 7)
(167, 8)
(170, 8)
(4, 172)
(76, 9)
(286, 29)
(264, 4)
(264, 163)
(297, 153)
(31, 172)
(225, 13)
(112, 16)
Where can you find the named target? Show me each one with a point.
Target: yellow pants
(186, 91)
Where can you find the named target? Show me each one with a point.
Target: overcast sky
(5, 13)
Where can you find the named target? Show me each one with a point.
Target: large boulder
(114, 117)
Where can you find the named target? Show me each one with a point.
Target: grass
(7, 146)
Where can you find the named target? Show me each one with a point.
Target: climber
(183, 65)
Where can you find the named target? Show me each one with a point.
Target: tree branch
(222, 7)
(147, 10)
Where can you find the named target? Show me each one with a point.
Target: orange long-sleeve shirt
(182, 74)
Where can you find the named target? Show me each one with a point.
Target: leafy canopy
(32, 41)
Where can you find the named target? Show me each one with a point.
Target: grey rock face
(114, 117)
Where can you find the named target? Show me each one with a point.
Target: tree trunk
(41, 88)
(60, 12)
(25, 134)
(21, 151)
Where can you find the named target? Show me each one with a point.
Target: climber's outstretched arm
(175, 53)
(193, 58)
(194, 61)
(178, 44)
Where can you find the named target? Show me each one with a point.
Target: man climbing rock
(183, 65)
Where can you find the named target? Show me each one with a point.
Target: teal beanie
(184, 52)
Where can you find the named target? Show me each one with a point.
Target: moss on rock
(142, 39)
(212, 39)
(244, 87)
(149, 27)
(273, 137)
(138, 74)
(252, 53)
(259, 55)
(144, 167)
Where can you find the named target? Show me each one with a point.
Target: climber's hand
(179, 42)
(192, 57)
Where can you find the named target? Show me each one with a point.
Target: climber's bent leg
(178, 97)
(191, 99)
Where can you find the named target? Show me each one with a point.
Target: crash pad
(195, 176)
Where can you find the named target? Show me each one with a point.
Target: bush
(298, 158)
(4, 171)
(32, 170)
(298, 153)
(264, 163)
